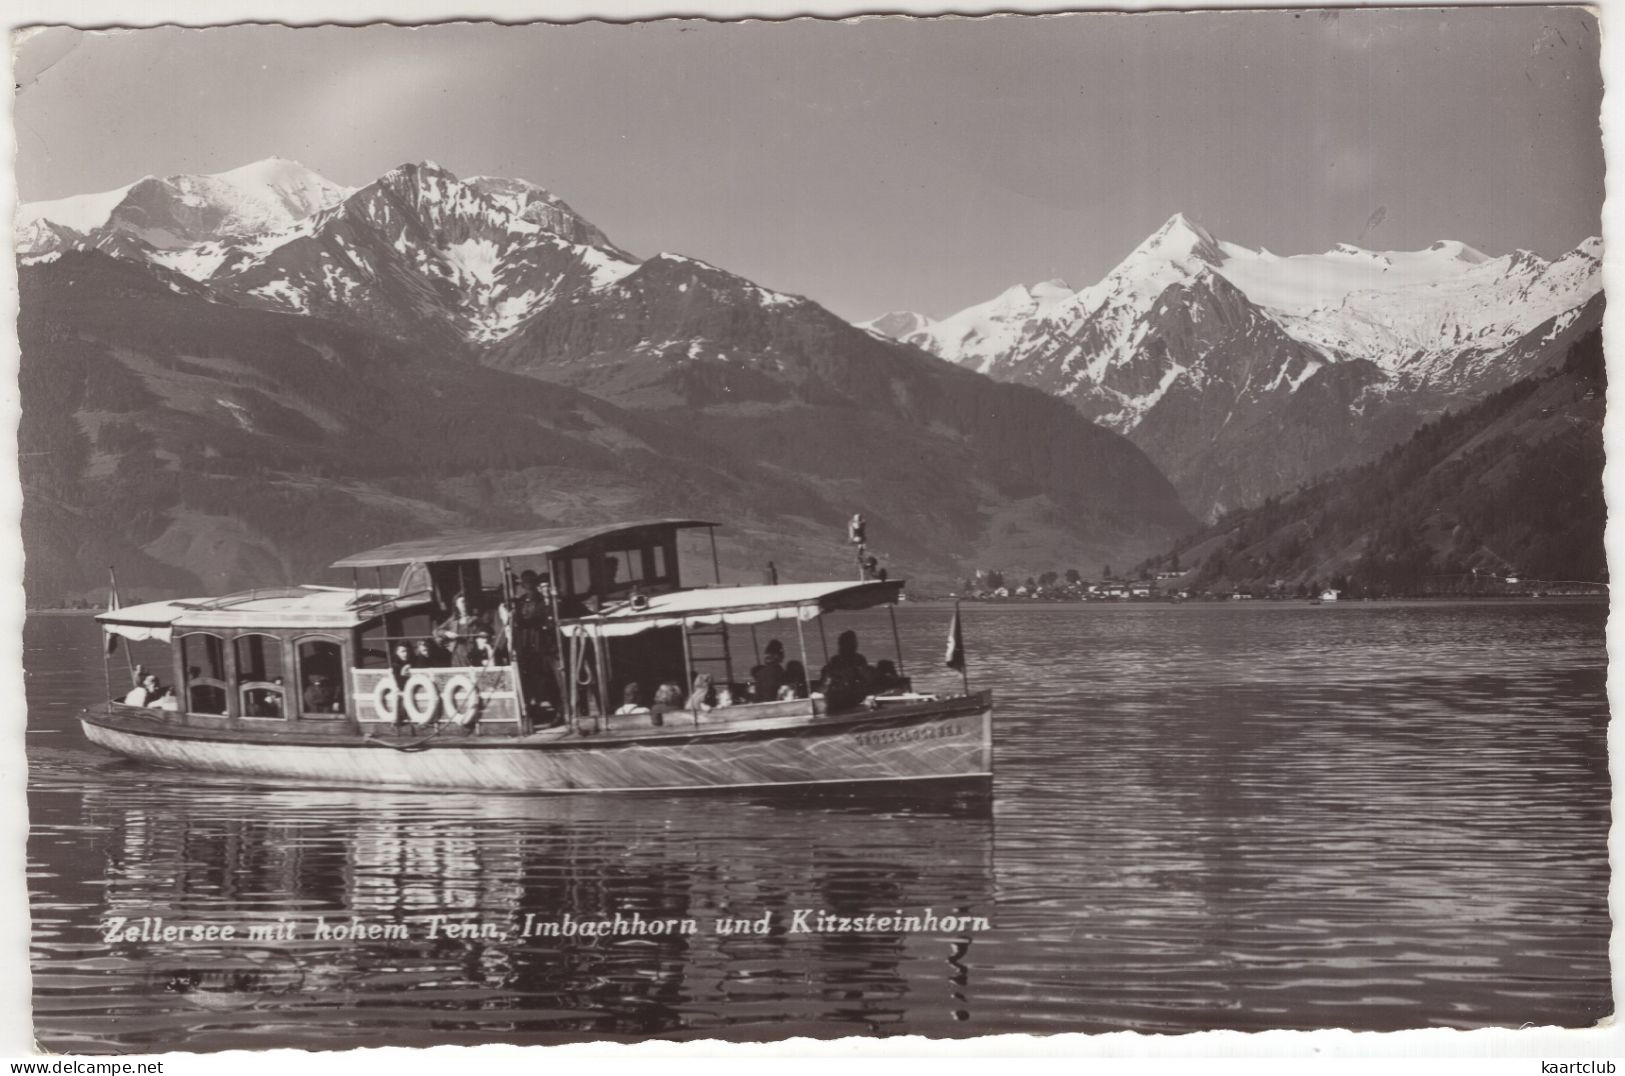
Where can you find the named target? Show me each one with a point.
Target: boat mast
(896, 642)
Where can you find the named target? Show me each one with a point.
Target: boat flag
(955, 657)
(112, 607)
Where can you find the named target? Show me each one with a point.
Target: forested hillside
(1510, 487)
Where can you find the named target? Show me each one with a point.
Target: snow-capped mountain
(418, 250)
(1410, 312)
(380, 335)
(1187, 317)
(182, 211)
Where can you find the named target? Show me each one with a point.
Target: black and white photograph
(679, 530)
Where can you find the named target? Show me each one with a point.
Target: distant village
(1174, 586)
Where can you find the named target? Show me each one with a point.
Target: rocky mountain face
(1511, 486)
(225, 386)
(1301, 363)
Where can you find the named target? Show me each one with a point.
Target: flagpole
(964, 666)
(107, 673)
(129, 659)
(955, 657)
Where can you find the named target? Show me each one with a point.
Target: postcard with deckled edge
(686, 530)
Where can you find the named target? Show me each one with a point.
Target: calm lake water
(1370, 816)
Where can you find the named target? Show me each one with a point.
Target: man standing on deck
(535, 643)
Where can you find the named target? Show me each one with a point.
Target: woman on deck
(458, 632)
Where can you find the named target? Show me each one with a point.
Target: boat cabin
(501, 635)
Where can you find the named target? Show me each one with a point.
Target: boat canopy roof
(278, 607)
(492, 546)
(736, 605)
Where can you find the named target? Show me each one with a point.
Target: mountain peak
(411, 170)
(1457, 251)
(1181, 238)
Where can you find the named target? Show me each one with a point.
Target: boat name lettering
(890, 736)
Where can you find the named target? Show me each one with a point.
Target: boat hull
(949, 741)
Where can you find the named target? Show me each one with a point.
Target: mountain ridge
(1423, 330)
(320, 370)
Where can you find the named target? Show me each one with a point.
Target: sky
(886, 163)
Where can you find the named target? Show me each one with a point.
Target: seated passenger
(725, 696)
(632, 700)
(668, 696)
(320, 696)
(767, 678)
(265, 702)
(701, 698)
(886, 678)
(847, 675)
(144, 693)
(426, 655)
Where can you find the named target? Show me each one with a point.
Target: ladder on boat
(696, 659)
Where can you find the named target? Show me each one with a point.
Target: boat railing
(471, 696)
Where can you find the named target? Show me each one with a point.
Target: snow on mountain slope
(1301, 283)
(1445, 333)
(187, 223)
(421, 250)
(416, 248)
(1413, 313)
(1242, 372)
(1011, 322)
(904, 325)
(80, 213)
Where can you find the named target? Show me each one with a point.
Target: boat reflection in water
(401, 919)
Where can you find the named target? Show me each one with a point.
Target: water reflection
(298, 863)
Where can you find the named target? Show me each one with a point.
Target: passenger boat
(303, 683)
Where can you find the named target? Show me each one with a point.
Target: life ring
(460, 698)
(420, 699)
(386, 698)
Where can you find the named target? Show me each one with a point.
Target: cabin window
(321, 677)
(379, 638)
(623, 566)
(261, 690)
(203, 659)
(578, 579)
(657, 563)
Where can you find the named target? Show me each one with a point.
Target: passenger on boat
(266, 701)
(320, 697)
(426, 655)
(532, 622)
(795, 681)
(486, 654)
(668, 696)
(847, 675)
(401, 663)
(632, 700)
(702, 697)
(725, 696)
(145, 693)
(767, 678)
(886, 678)
(458, 631)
